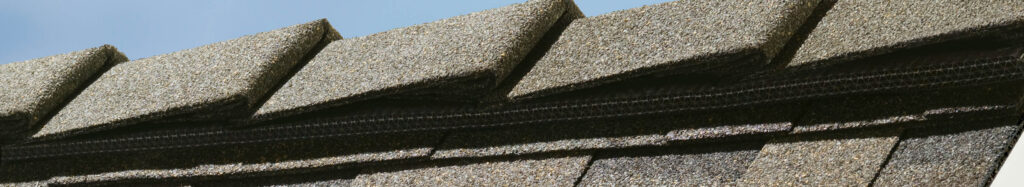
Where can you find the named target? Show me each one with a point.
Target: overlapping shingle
(33, 89)
(668, 38)
(556, 170)
(467, 55)
(841, 159)
(700, 165)
(225, 162)
(619, 133)
(963, 156)
(860, 28)
(218, 80)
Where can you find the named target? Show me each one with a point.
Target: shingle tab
(32, 89)
(224, 162)
(468, 55)
(860, 28)
(556, 170)
(618, 133)
(950, 156)
(665, 38)
(841, 159)
(225, 78)
(699, 165)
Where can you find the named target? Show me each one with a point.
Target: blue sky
(39, 28)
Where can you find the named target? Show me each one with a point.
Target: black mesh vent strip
(976, 68)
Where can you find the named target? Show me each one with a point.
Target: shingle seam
(586, 168)
(786, 53)
(888, 156)
(329, 35)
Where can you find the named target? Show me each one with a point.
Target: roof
(789, 96)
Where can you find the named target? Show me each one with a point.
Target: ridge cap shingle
(225, 74)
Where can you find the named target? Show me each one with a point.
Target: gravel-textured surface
(656, 38)
(700, 165)
(557, 170)
(616, 133)
(30, 90)
(836, 159)
(859, 28)
(217, 76)
(949, 156)
(225, 162)
(477, 49)
(906, 109)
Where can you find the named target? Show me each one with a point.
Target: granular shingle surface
(859, 28)
(617, 133)
(949, 156)
(212, 77)
(643, 40)
(32, 89)
(698, 165)
(557, 170)
(842, 159)
(237, 160)
(477, 50)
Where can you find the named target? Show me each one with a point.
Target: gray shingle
(912, 108)
(556, 170)
(331, 178)
(468, 54)
(699, 165)
(860, 28)
(950, 156)
(225, 162)
(225, 78)
(665, 38)
(32, 89)
(617, 133)
(840, 158)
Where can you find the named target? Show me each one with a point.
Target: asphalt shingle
(698, 165)
(665, 38)
(554, 170)
(331, 178)
(910, 108)
(618, 133)
(33, 89)
(964, 156)
(467, 55)
(225, 162)
(860, 28)
(841, 159)
(225, 78)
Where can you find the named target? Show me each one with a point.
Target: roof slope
(208, 78)
(35, 88)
